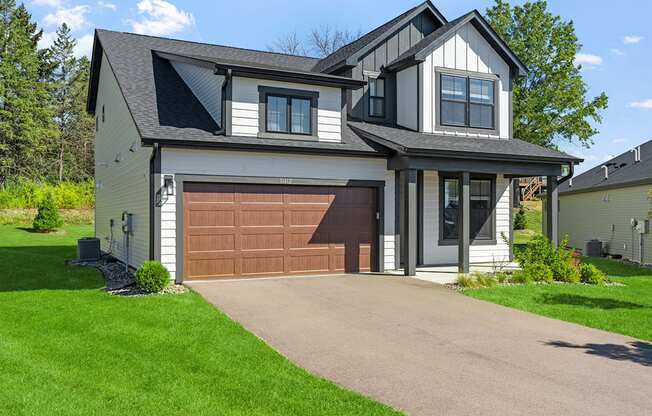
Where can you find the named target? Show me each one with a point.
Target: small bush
(47, 218)
(152, 276)
(566, 272)
(520, 276)
(539, 272)
(592, 275)
(477, 280)
(519, 219)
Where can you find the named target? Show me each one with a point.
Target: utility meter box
(127, 222)
(643, 227)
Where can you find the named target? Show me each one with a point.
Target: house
(611, 203)
(394, 151)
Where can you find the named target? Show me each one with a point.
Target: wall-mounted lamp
(168, 184)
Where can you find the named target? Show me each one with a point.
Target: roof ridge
(208, 44)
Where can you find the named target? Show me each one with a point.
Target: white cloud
(619, 140)
(106, 5)
(617, 52)
(641, 104)
(47, 40)
(161, 18)
(74, 17)
(84, 46)
(48, 3)
(587, 58)
(632, 39)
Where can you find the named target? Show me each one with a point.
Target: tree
(69, 80)
(322, 42)
(47, 218)
(520, 221)
(325, 40)
(550, 102)
(26, 116)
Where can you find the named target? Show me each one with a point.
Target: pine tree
(26, 116)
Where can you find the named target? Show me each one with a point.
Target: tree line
(45, 132)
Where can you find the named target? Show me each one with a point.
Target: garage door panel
(253, 230)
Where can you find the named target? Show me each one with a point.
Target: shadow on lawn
(585, 301)
(639, 352)
(43, 267)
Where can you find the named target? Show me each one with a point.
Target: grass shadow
(43, 267)
(638, 352)
(585, 301)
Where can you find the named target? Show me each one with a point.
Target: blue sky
(617, 40)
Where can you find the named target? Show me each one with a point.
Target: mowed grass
(533, 219)
(68, 348)
(623, 309)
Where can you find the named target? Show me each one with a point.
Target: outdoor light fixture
(168, 184)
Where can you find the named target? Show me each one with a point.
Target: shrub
(591, 274)
(47, 218)
(566, 272)
(539, 272)
(152, 276)
(520, 276)
(25, 193)
(519, 219)
(477, 280)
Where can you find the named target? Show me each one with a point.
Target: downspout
(155, 183)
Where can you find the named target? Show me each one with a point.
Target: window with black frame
(286, 114)
(376, 97)
(481, 209)
(467, 102)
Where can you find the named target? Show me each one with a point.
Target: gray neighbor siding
(606, 215)
(403, 39)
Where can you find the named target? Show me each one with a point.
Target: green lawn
(623, 309)
(533, 219)
(67, 347)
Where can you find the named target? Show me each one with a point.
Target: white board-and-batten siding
(244, 107)
(465, 50)
(271, 165)
(433, 253)
(121, 174)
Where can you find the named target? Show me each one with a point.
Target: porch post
(408, 216)
(552, 210)
(463, 222)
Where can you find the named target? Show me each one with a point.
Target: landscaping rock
(120, 282)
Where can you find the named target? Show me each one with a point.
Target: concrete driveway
(427, 350)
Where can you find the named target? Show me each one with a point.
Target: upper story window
(287, 112)
(376, 97)
(467, 102)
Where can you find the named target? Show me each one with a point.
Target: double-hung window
(287, 114)
(467, 102)
(376, 97)
(481, 209)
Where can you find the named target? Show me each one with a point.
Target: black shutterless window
(467, 102)
(482, 202)
(287, 114)
(376, 97)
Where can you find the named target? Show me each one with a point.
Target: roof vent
(638, 154)
(606, 171)
(570, 183)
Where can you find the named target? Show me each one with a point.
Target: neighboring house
(394, 151)
(611, 203)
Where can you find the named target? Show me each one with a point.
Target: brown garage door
(237, 230)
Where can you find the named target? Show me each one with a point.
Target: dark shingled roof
(164, 109)
(408, 141)
(622, 172)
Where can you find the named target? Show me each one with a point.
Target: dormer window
(376, 97)
(467, 102)
(287, 113)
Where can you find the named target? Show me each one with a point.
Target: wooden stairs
(531, 187)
